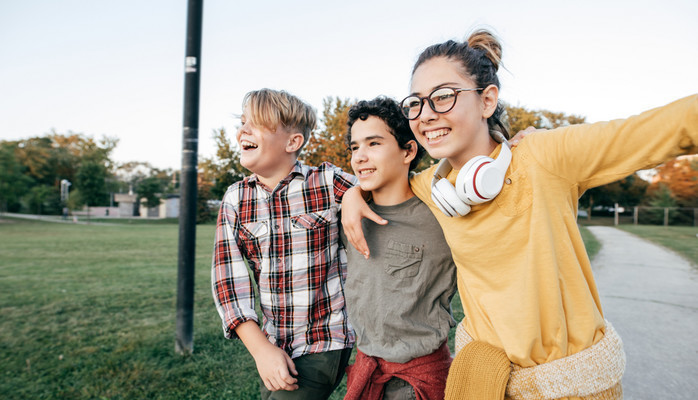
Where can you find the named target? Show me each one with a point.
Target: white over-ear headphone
(480, 180)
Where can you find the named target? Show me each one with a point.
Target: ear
(410, 153)
(489, 97)
(295, 142)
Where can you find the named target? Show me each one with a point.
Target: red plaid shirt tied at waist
(289, 236)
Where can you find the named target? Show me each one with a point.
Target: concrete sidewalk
(54, 218)
(650, 295)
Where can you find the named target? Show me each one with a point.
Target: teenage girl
(509, 216)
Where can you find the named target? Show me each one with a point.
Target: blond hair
(277, 108)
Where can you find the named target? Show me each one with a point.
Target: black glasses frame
(406, 112)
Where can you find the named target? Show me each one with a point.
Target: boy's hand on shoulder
(275, 367)
(354, 209)
(522, 134)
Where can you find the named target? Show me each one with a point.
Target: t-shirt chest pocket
(403, 259)
(517, 193)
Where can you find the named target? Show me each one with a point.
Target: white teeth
(247, 144)
(436, 133)
(366, 172)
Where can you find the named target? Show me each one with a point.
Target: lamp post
(184, 343)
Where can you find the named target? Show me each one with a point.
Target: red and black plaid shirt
(289, 237)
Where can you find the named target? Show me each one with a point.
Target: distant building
(168, 208)
(129, 206)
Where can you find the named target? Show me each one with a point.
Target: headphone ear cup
(446, 198)
(467, 182)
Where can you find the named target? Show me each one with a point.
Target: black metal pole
(184, 342)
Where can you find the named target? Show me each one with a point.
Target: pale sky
(116, 68)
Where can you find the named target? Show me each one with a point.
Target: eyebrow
(367, 138)
(439, 86)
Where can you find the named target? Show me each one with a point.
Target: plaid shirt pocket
(312, 220)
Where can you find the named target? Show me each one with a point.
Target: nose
(358, 155)
(243, 129)
(428, 113)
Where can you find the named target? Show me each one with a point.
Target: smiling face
(267, 153)
(378, 161)
(461, 133)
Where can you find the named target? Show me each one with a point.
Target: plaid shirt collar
(298, 169)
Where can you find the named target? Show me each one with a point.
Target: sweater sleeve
(596, 154)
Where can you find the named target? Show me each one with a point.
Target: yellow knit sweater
(523, 274)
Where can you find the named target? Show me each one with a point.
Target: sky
(116, 68)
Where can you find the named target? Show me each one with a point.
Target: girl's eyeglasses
(441, 100)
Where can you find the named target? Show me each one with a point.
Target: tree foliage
(90, 179)
(14, 182)
(327, 142)
(149, 189)
(217, 173)
(44, 162)
(520, 118)
(627, 192)
(680, 178)
(224, 169)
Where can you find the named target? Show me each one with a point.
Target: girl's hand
(354, 209)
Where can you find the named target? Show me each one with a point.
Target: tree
(627, 192)
(146, 181)
(45, 161)
(35, 154)
(216, 174)
(38, 197)
(224, 169)
(680, 178)
(54, 157)
(520, 118)
(327, 143)
(90, 180)
(149, 189)
(14, 183)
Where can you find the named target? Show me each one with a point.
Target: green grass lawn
(88, 312)
(681, 239)
(590, 242)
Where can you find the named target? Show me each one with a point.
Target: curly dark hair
(388, 110)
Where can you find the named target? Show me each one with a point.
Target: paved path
(54, 218)
(650, 295)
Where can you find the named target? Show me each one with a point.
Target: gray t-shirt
(399, 300)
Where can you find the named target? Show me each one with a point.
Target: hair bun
(483, 40)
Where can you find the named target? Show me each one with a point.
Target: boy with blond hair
(282, 221)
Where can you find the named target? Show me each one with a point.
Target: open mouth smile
(247, 145)
(437, 133)
(366, 172)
